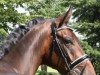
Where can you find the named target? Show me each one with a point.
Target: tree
(45, 8)
(88, 23)
(3, 34)
(9, 15)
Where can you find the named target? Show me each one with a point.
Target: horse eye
(68, 41)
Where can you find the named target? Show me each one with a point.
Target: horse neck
(26, 57)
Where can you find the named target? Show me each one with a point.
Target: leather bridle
(69, 64)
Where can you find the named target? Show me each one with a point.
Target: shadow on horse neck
(48, 42)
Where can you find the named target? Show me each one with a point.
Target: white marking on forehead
(64, 27)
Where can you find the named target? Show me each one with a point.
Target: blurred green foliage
(88, 21)
(46, 73)
(3, 35)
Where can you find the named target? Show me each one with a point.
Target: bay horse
(44, 41)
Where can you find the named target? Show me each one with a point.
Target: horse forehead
(65, 31)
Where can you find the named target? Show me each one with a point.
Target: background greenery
(86, 14)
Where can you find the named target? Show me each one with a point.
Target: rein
(69, 64)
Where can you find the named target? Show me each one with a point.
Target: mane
(15, 36)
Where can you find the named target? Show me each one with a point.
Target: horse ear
(64, 18)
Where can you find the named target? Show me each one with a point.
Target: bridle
(69, 64)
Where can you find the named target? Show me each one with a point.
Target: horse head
(66, 54)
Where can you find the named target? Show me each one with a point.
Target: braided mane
(15, 36)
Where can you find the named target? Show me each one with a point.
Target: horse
(44, 41)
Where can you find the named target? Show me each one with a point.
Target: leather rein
(69, 64)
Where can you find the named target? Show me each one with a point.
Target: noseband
(69, 64)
